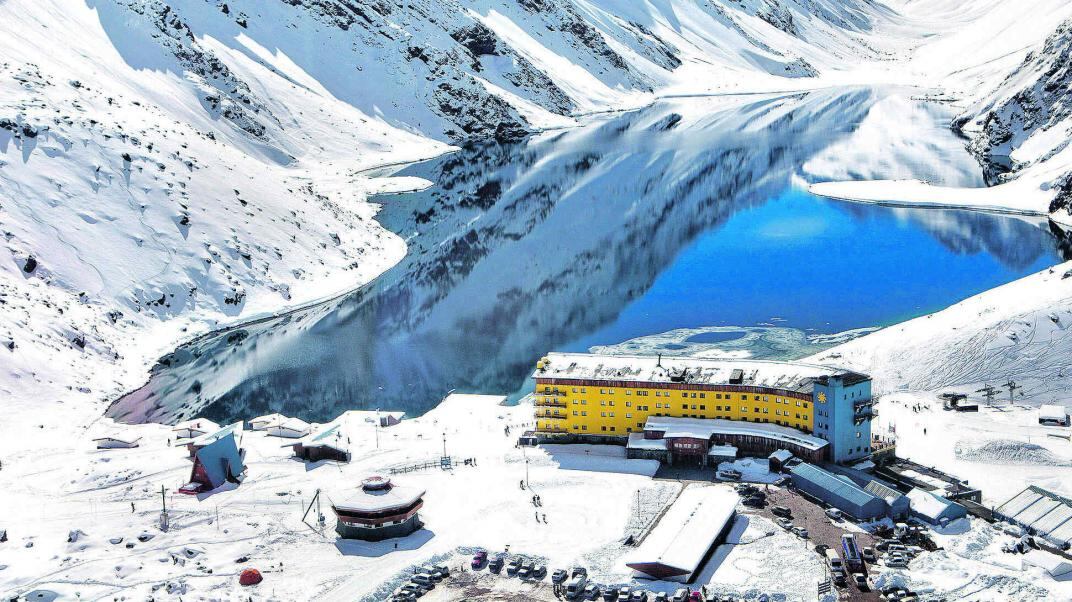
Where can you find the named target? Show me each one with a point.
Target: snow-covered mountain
(168, 167)
(1024, 125)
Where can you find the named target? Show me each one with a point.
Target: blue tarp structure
(216, 463)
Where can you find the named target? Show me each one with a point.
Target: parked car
(442, 569)
(746, 489)
(754, 501)
(638, 595)
(424, 579)
(660, 597)
(839, 577)
(783, 481)
(525, 571)
(869, 554)
(610, 594)
(432, 571)
(781, 511)
(479, 559)
(896, 561)
(695, 596)
(785, 523)
(578, 570)
(559, 576)
(514, 566)
(624, 592)
(860, 580)
(835, 514)
(681, 595)
(800, 532)
(539, 572)
(729, 474)
(416, 589)
(591, 592)
(403, 596)
(496, 564)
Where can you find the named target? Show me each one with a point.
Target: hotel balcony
(551, 429)
(867, 413)
(552, 393)
(550, 416)
(862, 403)
(542, 402)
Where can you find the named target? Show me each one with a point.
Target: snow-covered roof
(231, 429)
(128, 438)
(637, 441)
(790, 376)
(683, 536)
(1053, 412)
(380, 500)
(929, 505)
(1051, 563)
(289, 425)
(267, 419)
(722, 450)
(781, 455)
(705, 428)
(200, 425)
(325, 437)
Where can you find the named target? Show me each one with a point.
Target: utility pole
(1012, 386)
(376, 427)
(164, 523)
(989, 392)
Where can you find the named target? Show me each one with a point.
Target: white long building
(677, 547)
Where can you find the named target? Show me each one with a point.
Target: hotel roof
(705, 428)
(790, 376)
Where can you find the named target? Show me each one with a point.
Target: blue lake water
(681, 215)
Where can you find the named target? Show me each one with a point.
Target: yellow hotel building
(586, 397)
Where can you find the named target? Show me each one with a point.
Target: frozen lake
(688, 214)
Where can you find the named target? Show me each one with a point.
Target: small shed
(117, 441)
(327, 444)
(194, 428)
(777, 460)
(1053, 415)
(216, 463)
(933, 508)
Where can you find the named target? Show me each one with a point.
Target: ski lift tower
(989, 392)
(1013, 387)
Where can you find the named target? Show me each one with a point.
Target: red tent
(250, 577)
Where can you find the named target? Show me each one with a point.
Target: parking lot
(821, 530)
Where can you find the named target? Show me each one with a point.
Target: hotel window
(584, 413)
(798, 416)
(718, 396)
(694, 406)
(611, 402)
(684, 394)
(604, 428)
(684, 406)
(584, 402)
(574, 389)
(575, 427)
(628, 415)
(805, 405)
(611, 414)
(603, 414)
(583, 390)
(628, 429)
(744, 409)
(756, 410)
(640, 425)
(702, 395)
(628, 404)
(694, 396)
(584, 427)
(628, 392)
(703, 407)
(602, 392)
(575, 402)
(602, 402)
(575, 413)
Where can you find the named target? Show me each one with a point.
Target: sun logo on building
(822, 396)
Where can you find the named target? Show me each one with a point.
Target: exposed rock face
(1033, 103)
